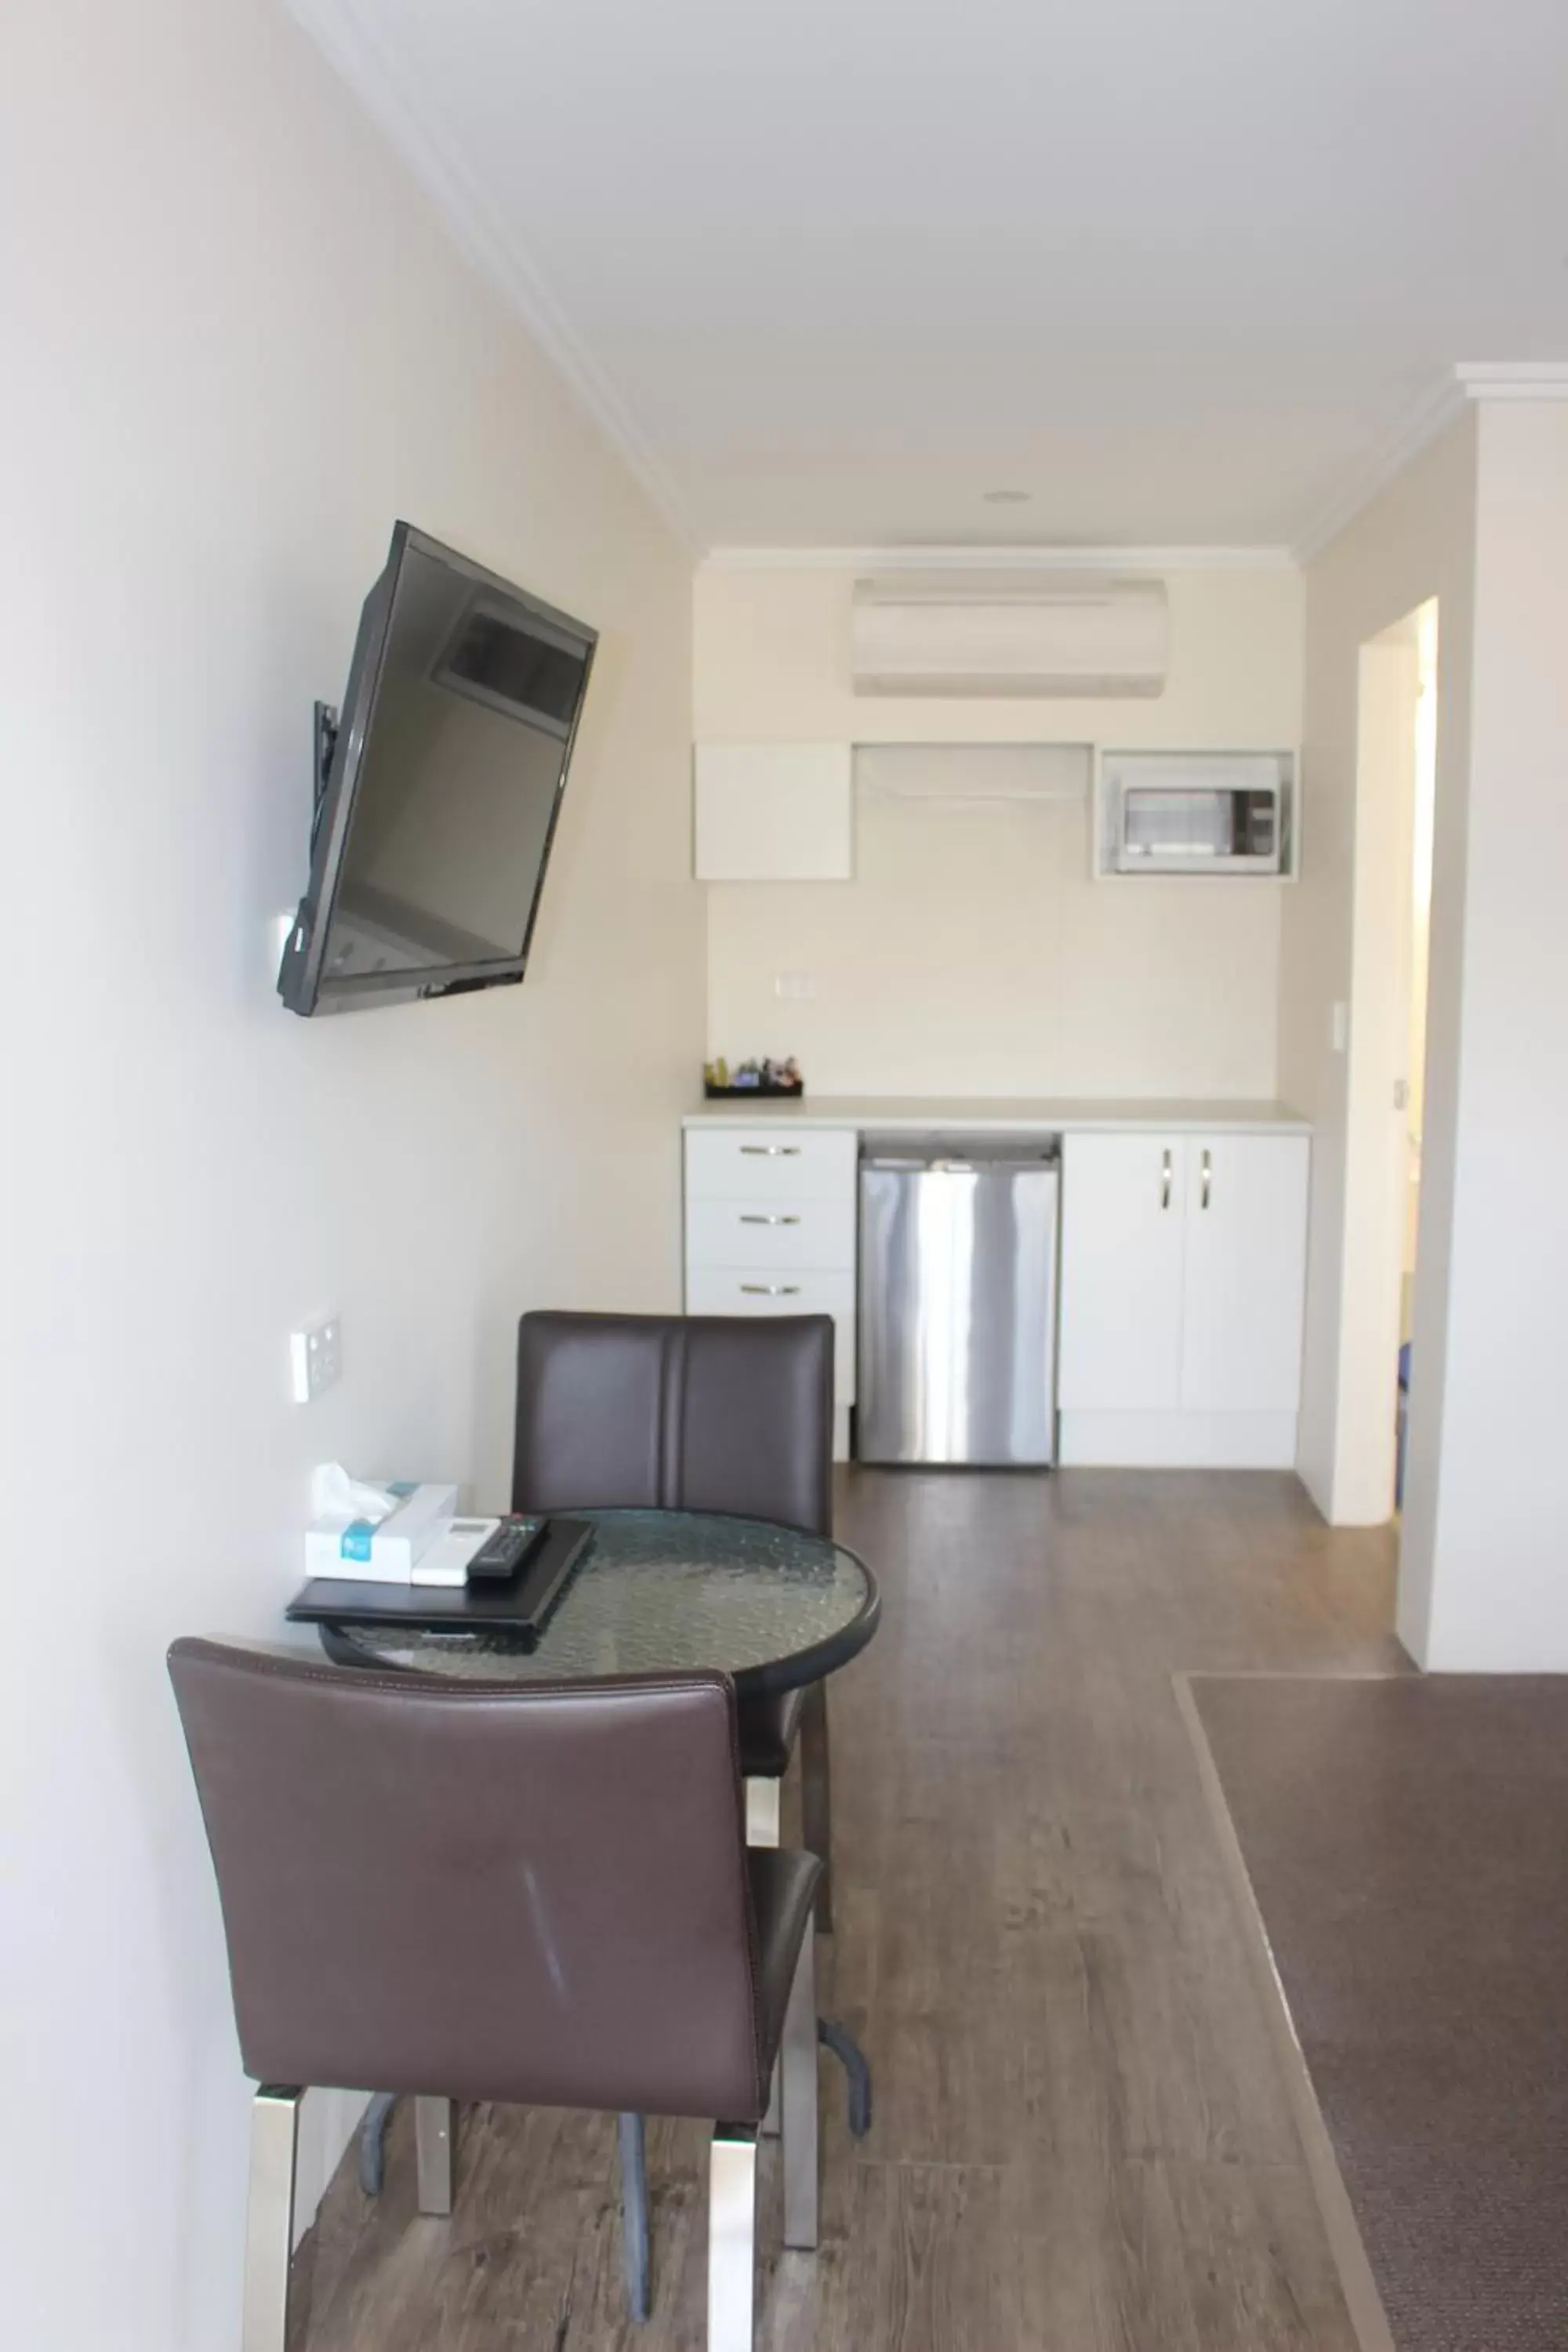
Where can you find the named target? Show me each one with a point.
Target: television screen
(440, 801)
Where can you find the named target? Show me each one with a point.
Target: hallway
(1080, 2142)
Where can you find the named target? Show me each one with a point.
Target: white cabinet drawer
(816, 1234)
(766, 1290)
(762, 1163)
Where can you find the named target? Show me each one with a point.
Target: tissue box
(387, 1551)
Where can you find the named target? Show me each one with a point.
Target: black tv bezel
(300, 982)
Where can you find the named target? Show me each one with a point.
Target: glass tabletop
(664, 1591)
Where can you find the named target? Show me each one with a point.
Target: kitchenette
(1000, 860)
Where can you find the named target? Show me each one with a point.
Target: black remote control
(501, 1555)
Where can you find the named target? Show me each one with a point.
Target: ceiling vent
(1022, 632)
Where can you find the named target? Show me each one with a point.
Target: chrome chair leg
(269, 2217)
(762, 1824)
(797, 2059)
(433, 2124)
(763, 1810)
(731, 2238)
(817, 1798)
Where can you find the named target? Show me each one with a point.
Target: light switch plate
(1340, 1028)
(795, 986)
(315, 1358)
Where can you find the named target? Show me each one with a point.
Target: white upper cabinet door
(1247, 1264)
(1123, 1271)
(773, 813)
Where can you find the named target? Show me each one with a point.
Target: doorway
(1397, 740)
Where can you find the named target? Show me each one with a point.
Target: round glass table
(664, 1592)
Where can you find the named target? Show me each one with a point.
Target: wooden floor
(1081, 2143)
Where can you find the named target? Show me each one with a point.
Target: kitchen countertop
(996, 1114)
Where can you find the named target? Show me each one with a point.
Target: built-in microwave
(1216, 813)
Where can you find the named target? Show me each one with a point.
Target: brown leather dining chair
(697, 1413)
(535, 1894)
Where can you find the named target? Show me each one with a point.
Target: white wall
(1480, 521)
(972, 952)
(1414, 542)
(1486, 1582)
(237, 345)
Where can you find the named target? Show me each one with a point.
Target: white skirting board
(1178, 1441)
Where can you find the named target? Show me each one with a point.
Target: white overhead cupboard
(1183, 1273)
(773, 812)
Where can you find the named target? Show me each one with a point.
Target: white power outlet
(794, 986)
(315, 1358)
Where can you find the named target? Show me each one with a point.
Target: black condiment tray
(752, 1094)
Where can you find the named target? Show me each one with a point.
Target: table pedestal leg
(852, 2058)
(372, 2142)
(634, 2259)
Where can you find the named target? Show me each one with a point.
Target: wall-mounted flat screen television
(439, 789)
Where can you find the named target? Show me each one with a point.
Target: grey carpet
(1407, 1844)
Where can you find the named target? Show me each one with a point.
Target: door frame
(1376, 1196)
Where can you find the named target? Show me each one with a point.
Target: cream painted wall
(972, 952)
(237, 345)
(1415, 541)
(1480, 521)
(1487, 1580)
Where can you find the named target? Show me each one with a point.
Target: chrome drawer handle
(770, 1150)
(1165, 1180)
(1207, 1182)
(747, 1219)
(770, 1289)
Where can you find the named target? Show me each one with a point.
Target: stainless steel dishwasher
(957, 1300)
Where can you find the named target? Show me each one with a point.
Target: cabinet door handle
(757, 1218)
(1164, 1180)
(1207, 1186)
(770, 1289)
(770, 1150)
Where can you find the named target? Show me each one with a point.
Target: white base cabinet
(1183, 1272)
(769, 1230)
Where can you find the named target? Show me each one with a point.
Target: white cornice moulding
(998, 558)
(1441, 406)
(361, 59)
(1513, 379)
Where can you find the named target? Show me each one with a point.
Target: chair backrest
(700, 1412)
(531, 1893)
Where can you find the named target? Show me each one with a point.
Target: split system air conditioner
(1023, 633)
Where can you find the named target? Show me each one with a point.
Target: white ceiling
(831, 270)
